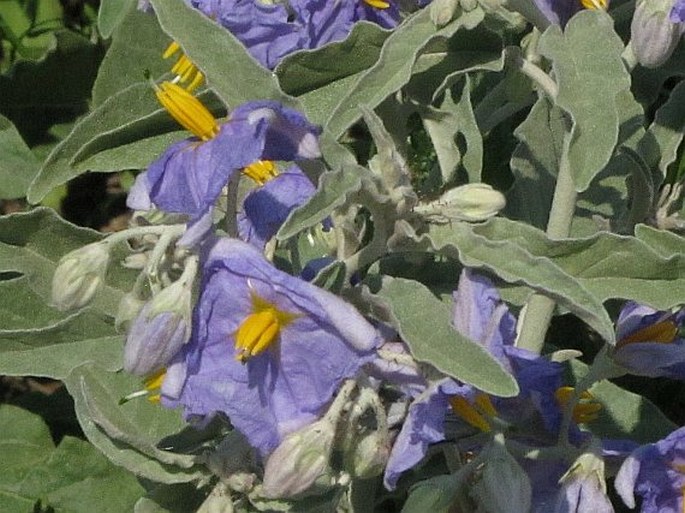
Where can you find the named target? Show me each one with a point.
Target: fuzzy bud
(300, 460)
(79, 275)
(653, 36)
(160, 329)
(442, 11)
(129, 308)
(472, 202)
(583, 487)
(369, 456)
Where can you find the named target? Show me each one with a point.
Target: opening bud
(300, 460)
(653, 36)
(79, 275)
(162, 327)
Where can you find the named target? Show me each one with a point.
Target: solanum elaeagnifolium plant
(352, 226)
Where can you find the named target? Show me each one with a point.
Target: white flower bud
(129, 308)
(369, 456)
(300, 460)
(653, 36)
(472, 202)
(79, 275)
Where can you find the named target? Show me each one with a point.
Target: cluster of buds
(80, 274)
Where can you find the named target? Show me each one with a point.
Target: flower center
(260, 329)
(595, 4)
(587, 408)
(663, 332)
(184, 69)
(261, 171)
(474, 414)
(378, 4)
(187, 110)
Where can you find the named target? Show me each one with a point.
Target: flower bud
(160, 329)
(442, 11)
(369, 456)
(129, 308)
(653, 36)
(471, 202)
(300, 460)
(79, 275)
(583, 487)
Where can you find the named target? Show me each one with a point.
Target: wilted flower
(189, 176)
(649, 342)
(79, 275)
(654, 31)
(267, 349)
(655, 472)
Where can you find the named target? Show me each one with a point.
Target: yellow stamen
(663, 332)
(485, 404)
(152, 383)
(184, 69)
(187, 110)
(587, 408)
(595, 4)
(260, 329)
(261, 171)
(378, 4)
(171, 50)
(466, 411)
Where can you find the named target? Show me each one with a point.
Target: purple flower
(677, 14)
(267, 349)
(267, 207)
(480, 315)
(558, 12)
(649, 343)
(190, 175)
(272, 31)
(655, 472)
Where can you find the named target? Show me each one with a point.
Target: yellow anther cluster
(187, 110)
(663, 332)
(186, 72)
(586, 410)
(261, 171)
(260, 329)
(595, 4)
(475, 414)
(378, 4)
(153, 385)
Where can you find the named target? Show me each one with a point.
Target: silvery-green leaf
(586, 58)
(111, 14)
(18, 165)
(424, 322)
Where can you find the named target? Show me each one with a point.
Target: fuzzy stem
(539, 308)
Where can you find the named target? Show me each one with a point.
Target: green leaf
(32, 243)
(112, 14)
(587, 64)
(667, 128)
(394, 66)
(435, 494)
(23, 309)
(18, 165)
(333, 191)
(307, 71)
(72, 477)
(138, 43)
(579, 274)
(624, 415)
(128, 434)
(504, 248)
(667, 244)
(129, 117)
(230, 71)
(535, 164)
(424, 323)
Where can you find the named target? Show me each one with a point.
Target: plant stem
(539, 308)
